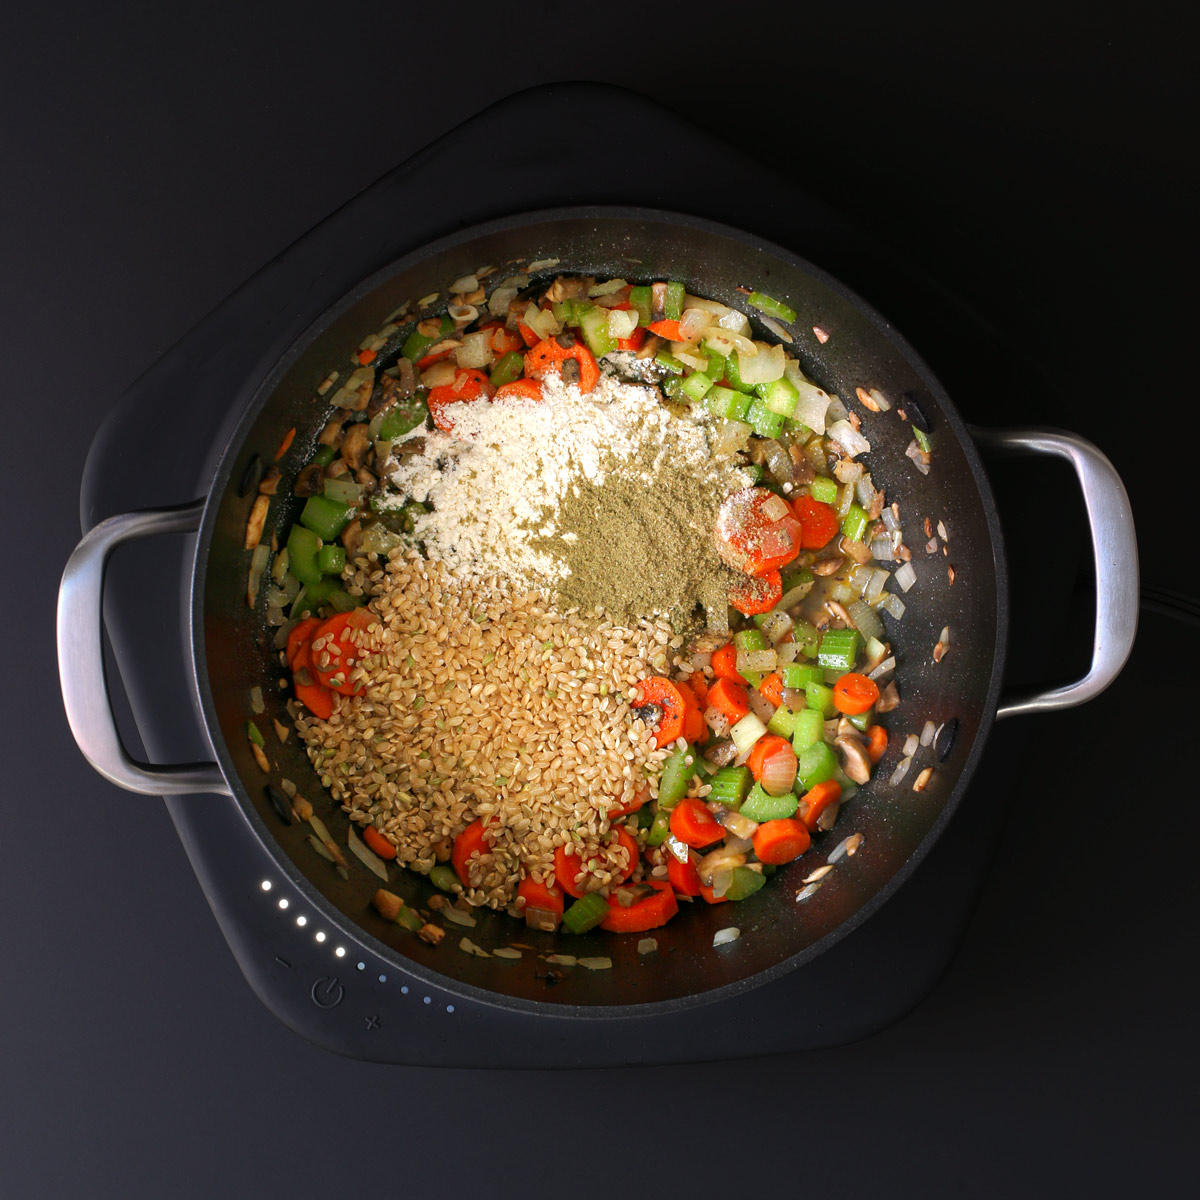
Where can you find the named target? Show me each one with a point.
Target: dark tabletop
(1039, 164)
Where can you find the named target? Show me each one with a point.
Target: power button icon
(328, 992)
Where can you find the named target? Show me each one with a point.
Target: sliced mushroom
(332, 433)
(827, 566)
(355, 445)
(352, 538)
(572, 287)
(442, 850)
(721, 753)
(408, 448)
(337, 469)
(838, 612)
(310, 481)
(846, 729)
(875, 659)
(859, 551)
(368, 481)
(889, 698)
(855, 762)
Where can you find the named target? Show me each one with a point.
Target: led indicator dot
(340, 952)
(283, 902)
(320, 937)
(428, 1000)
(449, 1007)
(301, 921)
(265, 885)
(404, 989)
(362, 966)
(383, 979)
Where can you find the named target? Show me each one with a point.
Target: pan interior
(235, 651)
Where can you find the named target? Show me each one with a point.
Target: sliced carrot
(707, 893)
(818, 798)
(684, 877)
(639, 801)
(377, 842)
(520, 389)
(729, 698)
(287, 441)
(634, 341)
(694, 728)
(772, 688)
(661, 692)
(751, 541)
(366, 357)
(549, 355)
(589, 368)
(647, 913)
(758, 595)
(504, 342)
(781, 841)
(877, 742)
(538, 895)
(763, 749)
(568, 866)
(666, 329)
(724, 663)
(332, 662)
(317, 699)
(527, 335)
(853, 694)
(423, 364)
(300, 637)
(818, 522)
(471, 839)
(699, 685)
(694, 825)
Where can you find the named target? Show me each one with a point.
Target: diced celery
(443, 876)
(676, 772)
(855, 522)
(507, 368)
(725, 402)
(344, 491)
(403, 418)
(302, 547)
(594, 326)
(819, 698)
(326, 518)
(672, 388)
(341, 600)
(794, 577)
(586, 913)
(780, 396)
(747, 731)
(922, 438)
(255, 735)
(807, 638)
(313, 595)
(800, 675)
(331, 560)
(729, 786)
(782, 722)
(761, 806)
(733, 377)
(716, 363)
(669, 362)
(809, 729)
(764, 422)
(697, 385)
(823, 489)
(863, 721)
(415, 345)
(745, 882)
(815, 764)
(642, 299)
(753, 678)
(660, 827)
(754, 471)
(839, 649)
(750, 639)
(564, 311)
(673, 302)
(323, 457)
(770, 306)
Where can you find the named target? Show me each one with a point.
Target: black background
(1038, 162)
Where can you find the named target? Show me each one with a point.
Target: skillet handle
(81, 658)
(1114, 548)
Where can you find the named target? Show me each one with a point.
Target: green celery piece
(645, 817)
(313, 595)
(341, 600)
(323, 456)
(745, 882)
(326, 518)
(799, 429)
(800, 675)
(676, 773)
(782, 722)
(839, 649)
(586, 913)
(750, 639)
(922, 439)
(815, 764)
(753, 678)
(564, 311)
(729, 786)
(331, 560)
(672, 388)
(255, 735)
(642, 299)
(855, 522)
(771, 306)
(733, 376)
(507, 368)
(673, 303)
(764, 422)
(780, 397)
(443, 877)
(415, 345)
(593, 324)
(409, 918)
(302, 547)
(794, 577)
(697, 385)
(824, 489)
(725, 402)
(762, 806)
(660, 828)
(809, 729)
(819, 698)
(863, 721)
(669, 362)
(716, 363)
(403, 418)
(343, 491)
(807, 638)
(754, 471)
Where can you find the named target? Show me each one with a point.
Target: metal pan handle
(1114, 547)
(81, 658)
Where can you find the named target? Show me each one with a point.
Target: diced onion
(774, 507)
(865, 620)
(864, 489)
(683, 352)
(901, 770)
(777, 329)
(440, 374)
(760, 706)
(724, 936)
(888, 665)
(735, 321)
(794, 595)
(891, 520)
(788, 652)
(709, 306)
(881, 549)
(720, 885)
(622, 322)
(927, 733)
(462, 314)
(874, 589)
(348, 394)
(541, 321)
(746, 732)
(813, 404)
(606, 288)
(502, 297)
(756, 660)
(468, 283)
(843, 593)
(847, 437)
(779, 771)
(476, 350)
(906, 576)
(848, 472)
(693, 323)
(766, 366)
(911, 744)
(365, 855)
(777, 626)
(837, 410)
(726, 342)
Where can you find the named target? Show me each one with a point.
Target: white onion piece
(741, 827)
(779, 771)
(541, 321)
(886, 667)
(813, 404)
(865, 620)
(760, 706)
(837, 410)
(881, 549)
(891, 520)
(777, 626)
(847, 437)
(365, 855)
(893, 604)
(700, 660)
(349, 392)
(845, 499)
(874, 589)
(794, 595)
(606, 288)
(502, 297)
(730, 438)
(765, 366)
(724, 936)
(726, 343)
(911, 743)
(439, 375)
(847, 471)
(717, 721)
(709, 306)
(901, 770)
(476, 350)
(735, 321)
(775, 541)
(756, 660)
(462, 314)
(720, 885)
(693, 323)
(777, 329)
(746, 732)
(683, 352)
(788, 652)
(468, 283)
(864, 489)
(906, 576)
(622, 322)
(775, 507)
(927, 733)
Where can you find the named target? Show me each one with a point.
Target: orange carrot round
(684, 877)
(757, 595)
(647, 913)
(666, 329)
(818, 798)
(772, 688)
(877, 742)
(538, 895)
(694, 825)
(568, 866)
(333, 661)
(519, 389)
(818, 522)
(729, 698)
(299, 638)
(661, 692)
(781, 841)
(724, 664)
(853, 693)
(377, 842)
(699, 686)
(471, 839)
(640, 799)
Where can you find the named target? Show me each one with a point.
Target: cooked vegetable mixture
(582, 605)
